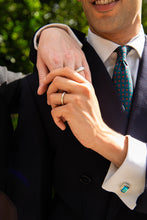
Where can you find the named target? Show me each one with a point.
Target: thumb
(42, 72)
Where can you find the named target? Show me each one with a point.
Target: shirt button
(124, 187)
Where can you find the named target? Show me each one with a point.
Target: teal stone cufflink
(124, 187)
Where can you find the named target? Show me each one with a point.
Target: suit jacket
(8, 96)
(52, 175)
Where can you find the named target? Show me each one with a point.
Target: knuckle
(77, 100)
(86, 89)
(67, 71)
(68, 55)
(56, 80)
(70, 108)
(55, 61)
(51, 98)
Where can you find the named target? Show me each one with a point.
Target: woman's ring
(80, 69)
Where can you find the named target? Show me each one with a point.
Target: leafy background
(19, 19)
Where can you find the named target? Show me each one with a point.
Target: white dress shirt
(132, 171)
(105, 49)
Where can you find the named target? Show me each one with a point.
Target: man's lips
(102, 2)
(104, 5)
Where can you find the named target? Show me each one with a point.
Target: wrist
(111, 145)
(119, 146)
(59, 27)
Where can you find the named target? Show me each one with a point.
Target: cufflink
(124, 187)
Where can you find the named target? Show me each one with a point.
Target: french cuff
(128, 181)
(57, 25)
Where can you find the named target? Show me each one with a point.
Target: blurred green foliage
(19, 19)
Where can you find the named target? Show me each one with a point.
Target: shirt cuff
(128, 181)
(56, 25)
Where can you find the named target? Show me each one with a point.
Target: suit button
(85, 179)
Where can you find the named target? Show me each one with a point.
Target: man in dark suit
(60, 175)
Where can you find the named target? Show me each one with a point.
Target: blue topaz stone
(124, 187)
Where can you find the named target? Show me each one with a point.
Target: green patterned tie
(122, 78)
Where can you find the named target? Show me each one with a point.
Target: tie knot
(122, 52)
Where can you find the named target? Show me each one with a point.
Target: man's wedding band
(63, 94)
(80, 69)
(62, 98)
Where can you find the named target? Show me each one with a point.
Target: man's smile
(102, 2)
(104, 5)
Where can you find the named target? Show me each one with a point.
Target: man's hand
(57, 49)
(80, 108)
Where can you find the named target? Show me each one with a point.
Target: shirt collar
(105, 48)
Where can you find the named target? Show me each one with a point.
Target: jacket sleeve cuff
(128, 181)
(57, 25)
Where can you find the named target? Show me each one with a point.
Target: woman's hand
(57, 49)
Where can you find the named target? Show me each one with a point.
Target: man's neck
(121, 37)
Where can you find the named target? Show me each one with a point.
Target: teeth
(103, 2)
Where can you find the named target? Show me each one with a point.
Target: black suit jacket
(52, 176)
(8, 96)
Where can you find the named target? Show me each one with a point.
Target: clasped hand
(82, 113)
(80, 109)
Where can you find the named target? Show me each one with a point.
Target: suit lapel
(109, 101)
(137, 126)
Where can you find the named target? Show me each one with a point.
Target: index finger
(64, 72)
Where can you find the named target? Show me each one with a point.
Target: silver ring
(80, 69)
(62, 98)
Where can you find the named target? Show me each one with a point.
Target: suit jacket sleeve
(30, 172)
(8, 99)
